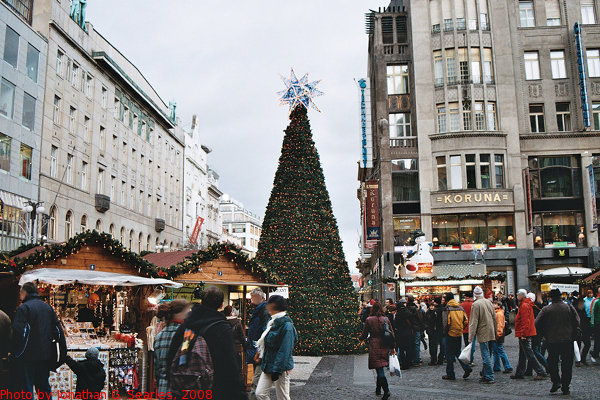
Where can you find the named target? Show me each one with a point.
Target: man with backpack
(203, 352)
(454, 320)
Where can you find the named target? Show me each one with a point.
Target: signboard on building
(563, 287)
(372, 222)
(196, 231)
(281, 291)
(472, 198)
(582, 76)
(593, 196)
(365, 124)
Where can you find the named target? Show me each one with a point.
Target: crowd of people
(198, 348)
(543, 324)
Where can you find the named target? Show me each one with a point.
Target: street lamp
(33, 208)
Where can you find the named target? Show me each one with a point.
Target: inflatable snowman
(422, 259)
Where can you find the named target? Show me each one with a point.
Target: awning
(12, 200)
(56, 276)
(562, 272)
(444, 283)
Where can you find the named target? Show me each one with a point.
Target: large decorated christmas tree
(300, 242)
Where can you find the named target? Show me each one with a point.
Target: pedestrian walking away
(584, 339)
(559, 323)
(172, 313)
(525, 330)
(434, 330)
(257, 325)
(498, 352)
(538, 344)
(275, 348)
(379, 350)
(405, 334)
(204, 318)
(36, 332)
(484, 326)
(91, 377)
(419, 325)
(454, 321)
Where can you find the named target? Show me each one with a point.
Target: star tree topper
(299, 91)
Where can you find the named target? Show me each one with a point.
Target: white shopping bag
(465, 354)
(576, 351)
(395, 366)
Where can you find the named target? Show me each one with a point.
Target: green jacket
(279, 345)
(595, 313)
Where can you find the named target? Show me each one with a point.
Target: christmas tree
(300, 242)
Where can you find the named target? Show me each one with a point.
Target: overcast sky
(222, 60)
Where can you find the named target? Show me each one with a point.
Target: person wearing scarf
(275, 348)
(172, 313)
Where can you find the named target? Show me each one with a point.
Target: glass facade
(558, 229)
(405, 180)
(556, 176)
(469, 231)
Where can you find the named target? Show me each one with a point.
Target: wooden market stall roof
(85, 251)
(222, 263)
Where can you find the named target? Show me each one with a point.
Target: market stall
(223, 265)
(566, 279)
(100, 291)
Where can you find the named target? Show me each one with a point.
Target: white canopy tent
(56, 276)
(562, 272)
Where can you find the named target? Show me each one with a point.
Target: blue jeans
(452, 352)
(417, 354)
(380, 372)
(500, 357)
(488, 373)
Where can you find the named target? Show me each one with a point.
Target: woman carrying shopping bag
(379, 328)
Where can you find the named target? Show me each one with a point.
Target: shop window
(405, 180)
(404, 229)
(25, 158)
(4, 152)
(560, 229)
(469, 231)
(557, 176)
(398, 81)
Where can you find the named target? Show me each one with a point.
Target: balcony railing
(407, 141)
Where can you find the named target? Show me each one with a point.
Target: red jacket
(466, 305)
(525, 322)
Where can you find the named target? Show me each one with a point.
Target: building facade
(480, 140)
(241, 222)
(201, 204)
(112, 151)
(22, 71)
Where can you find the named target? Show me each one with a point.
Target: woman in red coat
(378, 351)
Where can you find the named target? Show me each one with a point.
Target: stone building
(242, 223)
(480, 139)
(201, 203)
(112, 152)
(22, 72)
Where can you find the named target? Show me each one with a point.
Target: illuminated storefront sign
(475, 198)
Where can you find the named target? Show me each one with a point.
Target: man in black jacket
(227, 383)
(405, 334)
(91, 377)
(33, 348)
(5, 334)
(419, 326)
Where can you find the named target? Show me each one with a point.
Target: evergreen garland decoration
(300, 243)
(190, 264)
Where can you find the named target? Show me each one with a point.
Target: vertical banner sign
(582, 76)
(593, 197)
(527, 181)
(196, 231)
(365, 125)
(372, 211)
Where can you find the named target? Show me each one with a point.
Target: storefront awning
(562, 272)
(12, 200)
(56, 276)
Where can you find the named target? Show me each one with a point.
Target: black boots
(378, 388)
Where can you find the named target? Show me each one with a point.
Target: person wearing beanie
(483, 325)
(558, 323)
(525, 331)
(91, 377)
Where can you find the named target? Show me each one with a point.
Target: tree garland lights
(116, 248)
(300, 243)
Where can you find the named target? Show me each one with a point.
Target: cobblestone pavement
(347, 377)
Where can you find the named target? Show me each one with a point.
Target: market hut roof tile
(168, 259)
